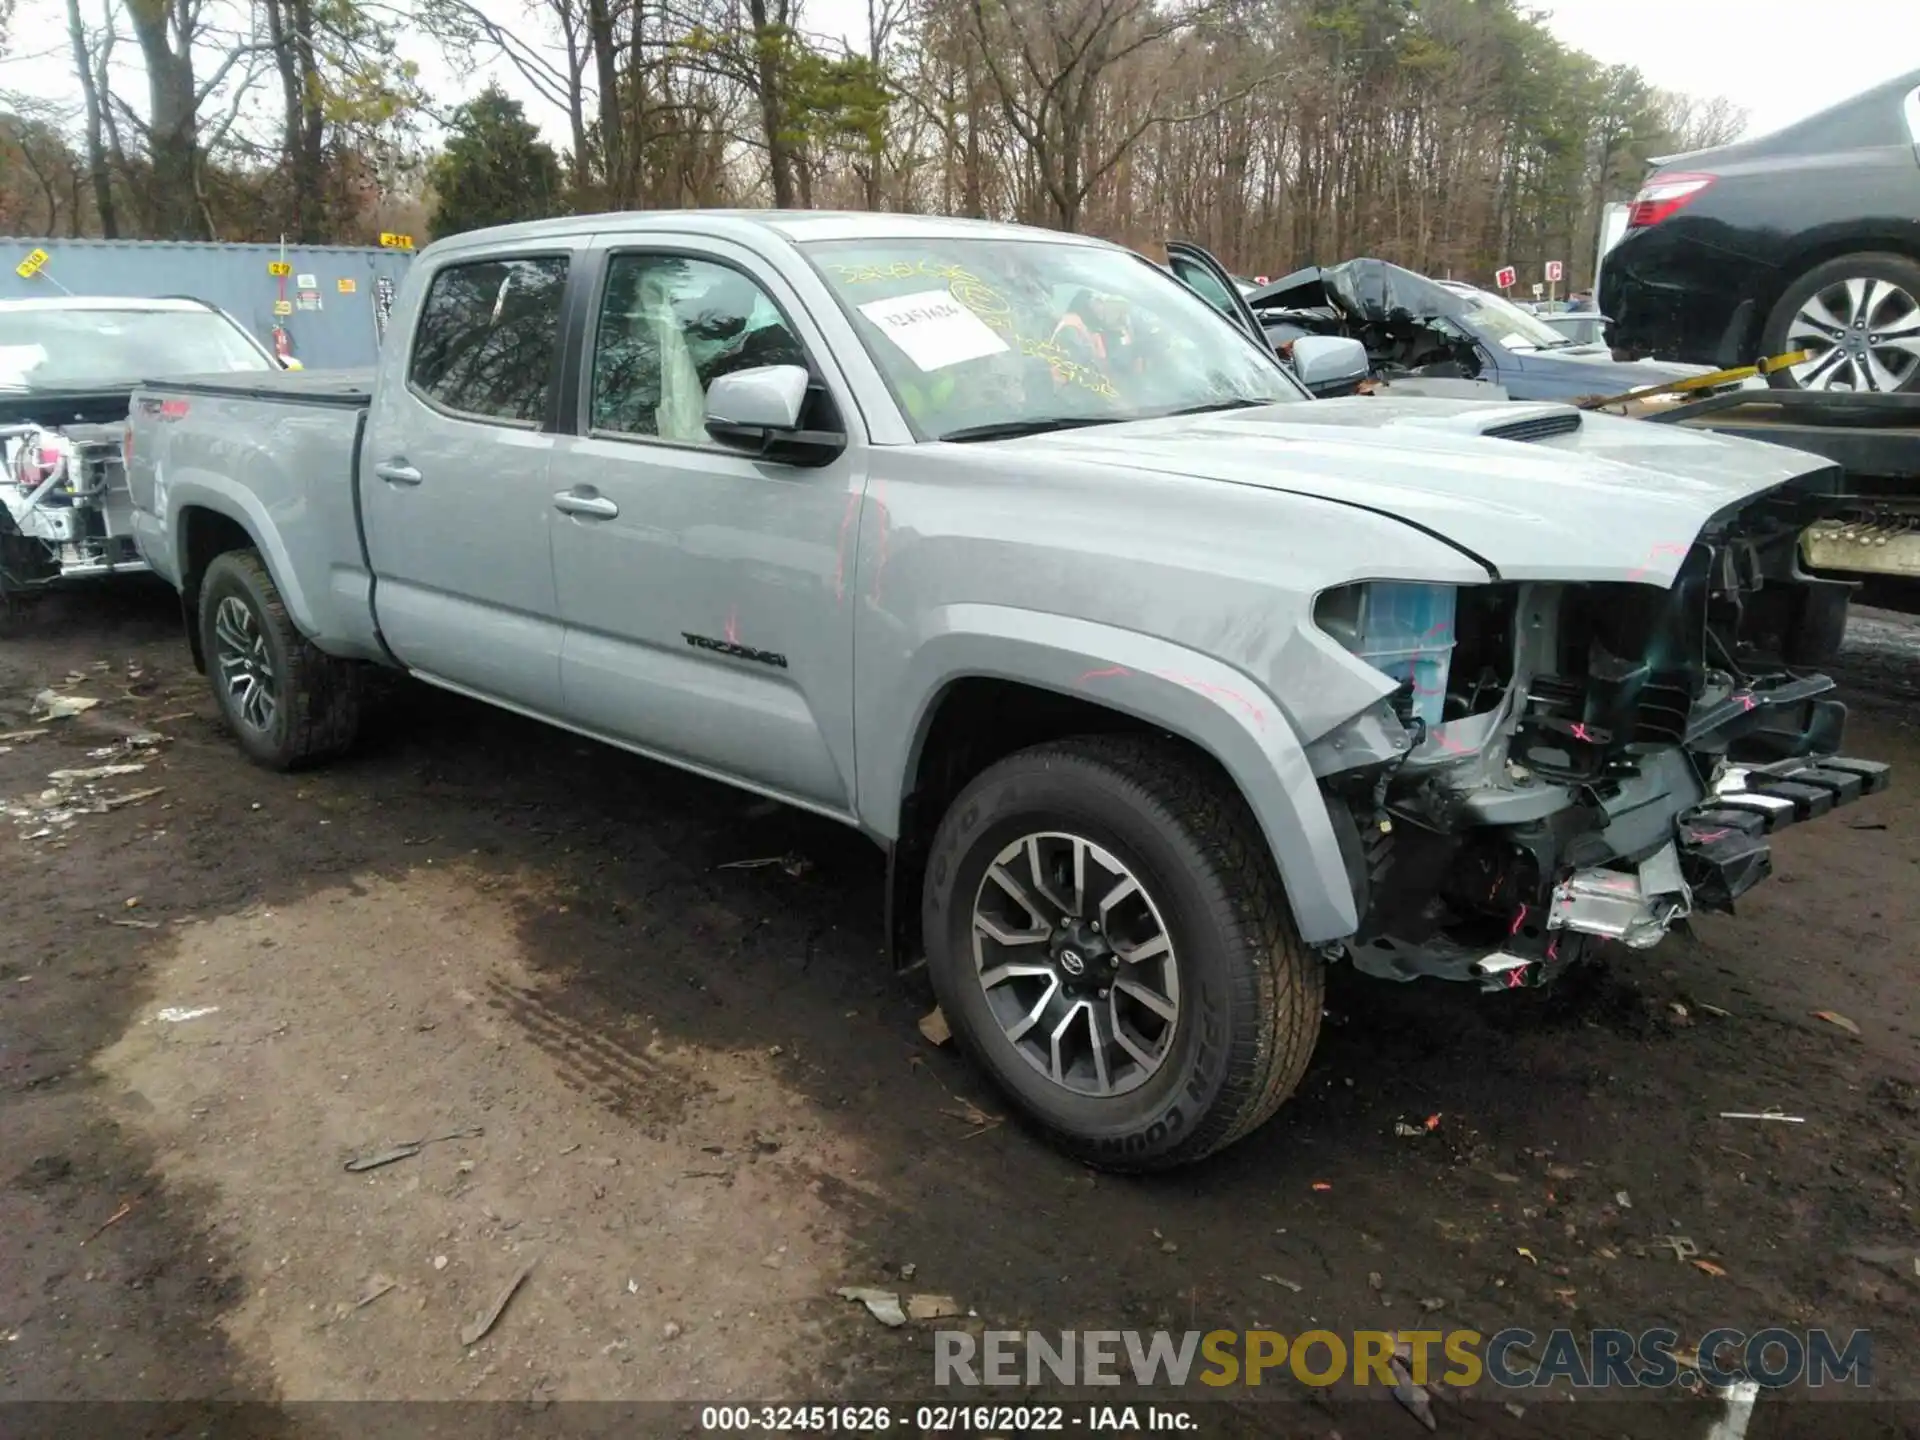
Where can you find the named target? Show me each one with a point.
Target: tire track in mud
(597, 1063)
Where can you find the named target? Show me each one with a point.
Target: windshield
(984, 337)
(1505, 323)
(104, 349)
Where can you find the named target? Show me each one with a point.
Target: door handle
(397, 472)
(596, 507)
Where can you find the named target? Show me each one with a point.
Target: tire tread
(1284, 986)
(320, 691)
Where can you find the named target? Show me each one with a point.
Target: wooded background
(1448, 135)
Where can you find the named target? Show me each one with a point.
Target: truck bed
(350, 388)
(248, 448)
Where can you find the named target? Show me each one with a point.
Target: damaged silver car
(1160, 682)
(68, 366)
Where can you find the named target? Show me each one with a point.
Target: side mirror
(1329, 364)
(767, 397)
(759, 410)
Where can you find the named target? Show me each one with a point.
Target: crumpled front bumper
(1725, 846)
(1721, 848)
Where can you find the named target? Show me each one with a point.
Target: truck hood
(1575, 496)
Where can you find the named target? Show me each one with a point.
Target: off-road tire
(1251, 991)
(1878, 265)
(318, 711)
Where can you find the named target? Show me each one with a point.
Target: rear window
(487, 336)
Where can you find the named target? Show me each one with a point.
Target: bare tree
(1051, 65)
(90, 59)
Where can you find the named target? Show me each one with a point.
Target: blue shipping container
(333, 302)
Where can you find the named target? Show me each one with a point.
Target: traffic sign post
(1555, 272)
(1506, 277)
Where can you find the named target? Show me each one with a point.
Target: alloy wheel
(1076, 963)
(246, 665)
(1862, 335)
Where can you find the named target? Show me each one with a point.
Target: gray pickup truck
(1162, 683)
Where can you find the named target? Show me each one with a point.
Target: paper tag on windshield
(933, 329)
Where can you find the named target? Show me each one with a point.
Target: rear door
(456, 501)
(1210, 280)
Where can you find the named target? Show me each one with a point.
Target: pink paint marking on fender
(1207, 688)
(885, 519)
(840, 556)
(733, 626)
(1112, 672)
(1518, 921)
(1665, 547)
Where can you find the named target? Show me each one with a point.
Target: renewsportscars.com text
(1513, 1358)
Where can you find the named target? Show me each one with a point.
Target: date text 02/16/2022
(945, 1419)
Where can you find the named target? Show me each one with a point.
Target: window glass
(1205, 285)
(1497, 319)
(90, 347)
(984, 337)
(486, 339)
(670, 325)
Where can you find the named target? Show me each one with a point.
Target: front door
(1197, 269)
(708, 594)
(455, 494)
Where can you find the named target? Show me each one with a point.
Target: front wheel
(1858, 319)
(1108, 936)
(287, 702)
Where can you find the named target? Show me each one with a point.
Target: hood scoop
(1502, 420)
(1535, 427)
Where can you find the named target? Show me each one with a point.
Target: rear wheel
(1858, 317)
(287, 702)
(1107, 935)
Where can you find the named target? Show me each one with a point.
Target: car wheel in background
(286, 702)
(1108, 936)
(1859, 319)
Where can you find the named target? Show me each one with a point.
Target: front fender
(1213, 706)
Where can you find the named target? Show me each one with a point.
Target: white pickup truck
(1162, 683)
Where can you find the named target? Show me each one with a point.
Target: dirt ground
(690, 1101)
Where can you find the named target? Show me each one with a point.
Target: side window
(1203, 283)
(485, 343)
(1912, 110)
(669, 326)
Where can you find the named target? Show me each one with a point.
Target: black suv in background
(1806, 239)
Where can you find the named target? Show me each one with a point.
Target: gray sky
(1778, 60)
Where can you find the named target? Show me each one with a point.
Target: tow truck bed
(1874, 438)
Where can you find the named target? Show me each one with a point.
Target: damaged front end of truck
(1567, 764)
